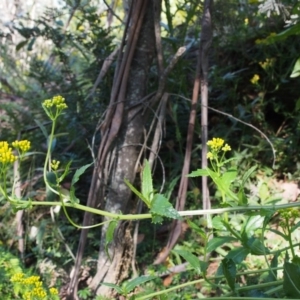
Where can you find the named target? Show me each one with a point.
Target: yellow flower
(246, 21)
(53, 291)
(216, 143)
(24, 145)
(55, 164)
(254, 79)
(57, 101)
(17, 277)
(6, 154)
(267, 63)
(226, 148)
(209, 155)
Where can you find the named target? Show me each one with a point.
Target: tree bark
(125, 153)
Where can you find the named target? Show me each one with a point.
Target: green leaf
(229, 176)
(192, 259)
(113, 286)
(199, 230)
(217, 223)
(162, 207)
(247, 175)
(42, 127)
(238, 254)
(229, 271)
(65, 173)
(272, 276)
(256, 246)
(279, 233)
(79, 172)
(253, 223)
(21, 45)
(132, 284)
(53, 143)
(291, 280)
(147, 186)
(199, 172)
(263, 192)
(110, 235)
(243, 200)
(135, 191)
(216, 242)
(222, 185)
(31, 43)
(296, 260)
(296, 70)
(51, 179)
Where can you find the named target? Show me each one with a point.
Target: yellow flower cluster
(267, 63)
(35, 286)
(216, 145)
(55, 164)
(255, 79)
(6, 154)
(24, 145)
(53, 291)
(57, 101)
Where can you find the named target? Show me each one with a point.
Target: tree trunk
(125, 154)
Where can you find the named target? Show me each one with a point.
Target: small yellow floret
(226, 148)
(254, 79)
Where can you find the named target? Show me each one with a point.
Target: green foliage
(158, 205)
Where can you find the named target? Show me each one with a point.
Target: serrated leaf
(162, 207)
(199, 172)
(132, 284)
(229, 271)
(222, 186)
(79, 172)
(192, 259)
(110, 235)
(135, 191)
(291, 280)
(216, 242)
(147, 186)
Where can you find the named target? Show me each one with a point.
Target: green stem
(289, 236)
(148, 216)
